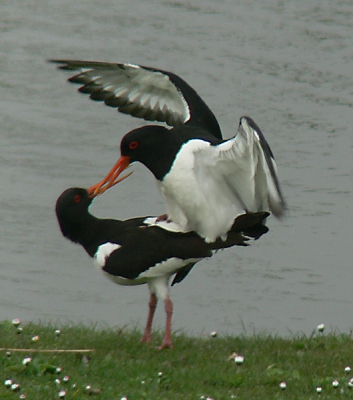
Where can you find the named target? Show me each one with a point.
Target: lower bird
(145, 250)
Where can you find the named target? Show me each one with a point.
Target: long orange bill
(112, 178)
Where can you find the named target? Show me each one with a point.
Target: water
(288, 65)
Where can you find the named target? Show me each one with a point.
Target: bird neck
(80, 228)
(163, 147)
(160, 161)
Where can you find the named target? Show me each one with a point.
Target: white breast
(197, 197)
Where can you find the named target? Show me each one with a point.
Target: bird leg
(147, 335)
(167, 341)
(163, 217)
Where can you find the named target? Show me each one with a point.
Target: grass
(121, 367)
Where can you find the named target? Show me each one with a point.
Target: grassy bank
(118, 366)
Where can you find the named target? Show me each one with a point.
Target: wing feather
(247, 165)
(143, 92)
(133, 89)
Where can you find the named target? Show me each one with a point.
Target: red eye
(133, 145)
(77, 198)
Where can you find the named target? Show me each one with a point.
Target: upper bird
(207, 181)
(142, 250)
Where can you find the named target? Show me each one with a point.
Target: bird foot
(166, 344)
(163, 217)
(146, 338)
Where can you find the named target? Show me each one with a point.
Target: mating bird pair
(218, 192)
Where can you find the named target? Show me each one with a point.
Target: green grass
(119, 366)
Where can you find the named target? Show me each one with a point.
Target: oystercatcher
(143, 250)
(206, 181)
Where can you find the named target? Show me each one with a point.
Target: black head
(136, 143)
(72, 211)
(153, 145)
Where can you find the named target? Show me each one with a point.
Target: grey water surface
(287, 64)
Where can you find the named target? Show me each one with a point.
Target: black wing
(152, 251)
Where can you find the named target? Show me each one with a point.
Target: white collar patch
(103, 252)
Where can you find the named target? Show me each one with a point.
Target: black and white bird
(206, 181)
(144, 250)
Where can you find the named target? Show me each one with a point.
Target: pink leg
(162, 217)
(147, 335)
(167, 341)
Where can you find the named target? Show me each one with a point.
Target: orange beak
(112, 178)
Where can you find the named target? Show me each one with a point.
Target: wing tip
(279, 208)
(62, 64)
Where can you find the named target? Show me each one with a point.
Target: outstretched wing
(246, 165)
(143, 92)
